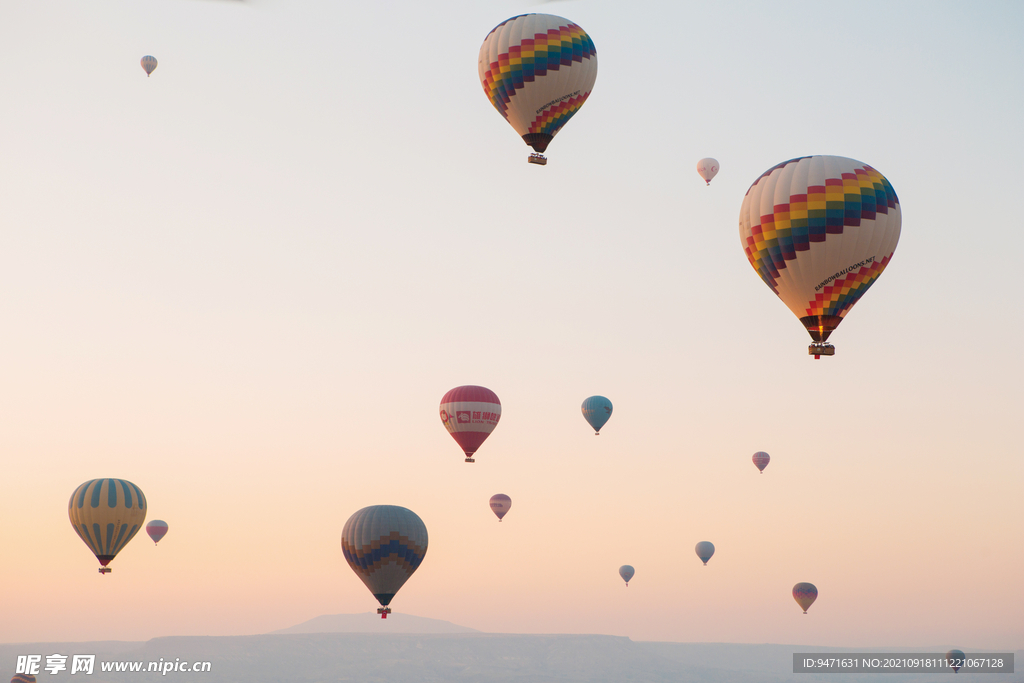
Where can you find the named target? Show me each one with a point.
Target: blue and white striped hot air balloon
(384, 545)
(596, 411)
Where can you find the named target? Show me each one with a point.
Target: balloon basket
(819, 349)
(470, 460)
(105, 570)
(539, 159)
(383, 612)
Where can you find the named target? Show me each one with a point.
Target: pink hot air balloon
(156, 529)
(470, 414)
(500, 505)
(761, 460)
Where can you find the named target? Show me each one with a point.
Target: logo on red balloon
(462, 416)
(445, 416)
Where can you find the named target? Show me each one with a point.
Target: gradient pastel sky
(245, 283)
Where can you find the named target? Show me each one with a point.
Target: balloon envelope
(819, 231)
(384, 545)
(470, 413)
(805, 594)
(537, 70)
(149, 64)
(106, 514)
(955, 659)
(156, 529)
(626, 572)
(707, 168)
(761, 460)
(500, 505)
(596, 411)
(704, 550)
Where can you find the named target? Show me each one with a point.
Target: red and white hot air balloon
(707, 168)
(470, 413)
(156, 529)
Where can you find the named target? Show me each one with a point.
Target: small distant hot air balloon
(470, 413)
(596, 411)
(537, 70)
(23, 678)
(149, 64)
(707, 168)
(819, 231)
(626, 572)
(761, 460)
(384, 545)
(805, 594)
(500, 505)
(156, 529)
(704, 550)
(955, 659)
(106, 514)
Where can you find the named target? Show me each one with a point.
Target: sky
(245, 282)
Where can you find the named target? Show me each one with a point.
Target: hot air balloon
(704, 550)
(470, 414)
(955, 659)
(761, 460)
(106, 514)
(500, 505)
(707, 168)
(384, 545)
(626, 572)
(805, 594)
(819, 231)
(537, 70)
(596, 411)
(156, 529)
(149, 64)
(23, 678)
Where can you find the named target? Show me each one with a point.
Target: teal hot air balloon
(626, 572)
(596, 411)
(384, 545)
(704, 550)
(955, 659)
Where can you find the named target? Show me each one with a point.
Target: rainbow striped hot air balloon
(106, 514)
(470, 413)
(805, 594)
(761, 460)
(819, 231)
(384, 545)
(537, 70)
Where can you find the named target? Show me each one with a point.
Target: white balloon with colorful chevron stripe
(537, 70)
(819, 230)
